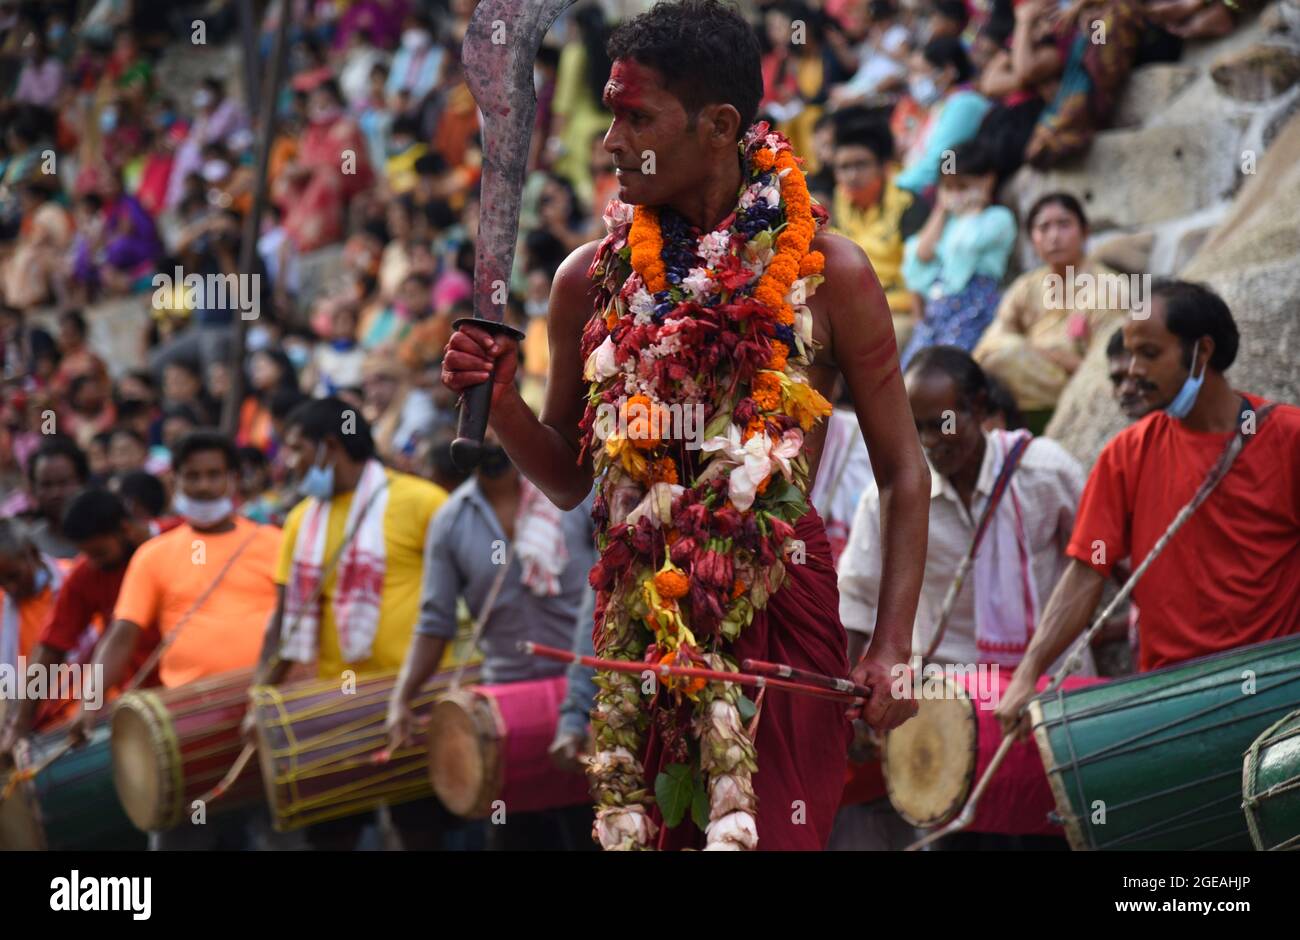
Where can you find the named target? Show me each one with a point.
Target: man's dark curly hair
(705, 50)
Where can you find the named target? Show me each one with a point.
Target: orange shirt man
(209, 581)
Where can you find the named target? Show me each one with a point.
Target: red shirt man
(97, 522)
(1231, 575)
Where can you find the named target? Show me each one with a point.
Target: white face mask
(203, 98)
(415, 39)
(215, 170)
(924, 90)
(203, 513)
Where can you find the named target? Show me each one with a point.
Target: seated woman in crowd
(957, 260)
(806, 57)
(1020, 76)
(883, 58)
(1044, 328)
(315, 187)
(30, 276)
(1094, 75)
(117, 244)
(946, 112)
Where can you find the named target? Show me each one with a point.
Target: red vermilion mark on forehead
(628, 81)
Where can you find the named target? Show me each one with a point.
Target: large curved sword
(499, 52)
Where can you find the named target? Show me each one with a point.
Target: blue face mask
(1183, 402)
(42, 579)
(318, 481)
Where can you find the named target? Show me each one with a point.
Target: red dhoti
(802, 741)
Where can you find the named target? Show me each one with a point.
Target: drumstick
(782, 671)
(636, 668)
(967, 814)
(231, 776)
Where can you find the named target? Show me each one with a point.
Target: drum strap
(488, 603)
(1000, 486)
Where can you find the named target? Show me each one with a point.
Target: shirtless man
(685, 86)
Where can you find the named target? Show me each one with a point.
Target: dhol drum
(1270, 786)
(319, 744)
(171, 746)
(933, 761)
(489, 744)
(1153, 761)
(71, 804)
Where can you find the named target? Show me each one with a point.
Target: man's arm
(271, 670)
(859, 574)
(1073, 600)
(545, 450)
(112, 654)
(862, 340)
(434, 628)
(23, 714)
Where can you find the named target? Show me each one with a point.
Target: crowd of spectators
(910, 117)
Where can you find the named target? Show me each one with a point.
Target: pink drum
(489, 743)
(932, 762)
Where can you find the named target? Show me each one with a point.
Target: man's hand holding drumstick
(878, 670)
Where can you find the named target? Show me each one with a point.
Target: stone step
(1149, 91)
(1138, 177)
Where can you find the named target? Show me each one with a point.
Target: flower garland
(692, 538)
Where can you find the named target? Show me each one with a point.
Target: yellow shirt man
(880, 231)
(412, 503)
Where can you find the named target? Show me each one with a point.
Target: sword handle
(476, 403)
(467, 448)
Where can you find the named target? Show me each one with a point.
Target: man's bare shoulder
(846, 262)
(851, 290)
(572, 290)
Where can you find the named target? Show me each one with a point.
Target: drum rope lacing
(1131, 745)
(1251, 799)
(359, 736)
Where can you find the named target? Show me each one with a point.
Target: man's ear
(1204, 353)
(722, 124)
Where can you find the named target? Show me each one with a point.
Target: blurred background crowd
(910, 115)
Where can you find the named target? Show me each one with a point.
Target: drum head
(20, 824)
(140, 768)
(929, 761)
(463, 755)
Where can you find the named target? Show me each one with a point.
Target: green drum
(1153, 761)
(1270, 786)
(72, 804)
